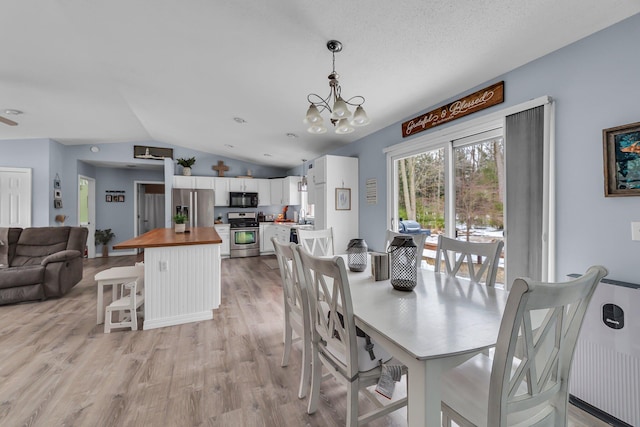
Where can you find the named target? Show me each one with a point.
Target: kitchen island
(182, 275)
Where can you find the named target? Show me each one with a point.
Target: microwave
(243, 200)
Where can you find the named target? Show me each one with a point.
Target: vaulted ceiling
(86, 72)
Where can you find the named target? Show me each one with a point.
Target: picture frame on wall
(343, 199)
(108, 198)
(57, 194)
(621, 150)
(57, 203)
(121, 198)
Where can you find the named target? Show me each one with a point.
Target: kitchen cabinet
(267, 231)
(221, 191)
(243, 185)
(284, 191)
(181, 181)
(224, 230)
(264, 192)
(329, 173)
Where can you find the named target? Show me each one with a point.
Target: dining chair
(296, 310)
(131, 298)
(530, 390)
(352, 360)
(317, 242)
(418, 239)
(455, 253)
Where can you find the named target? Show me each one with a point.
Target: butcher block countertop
(163, 237)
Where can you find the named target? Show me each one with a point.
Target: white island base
(182, 284)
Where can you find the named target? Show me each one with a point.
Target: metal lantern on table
(404, 263)
(357, 254)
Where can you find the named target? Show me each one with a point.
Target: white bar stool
(131, 298)
(114, 277)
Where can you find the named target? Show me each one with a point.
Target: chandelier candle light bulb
(340, 112)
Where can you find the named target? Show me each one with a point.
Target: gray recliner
(40, 262)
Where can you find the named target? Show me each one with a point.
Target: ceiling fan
(7, 121)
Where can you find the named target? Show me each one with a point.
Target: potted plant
(103, 237)
(180, 220)
(186, 165)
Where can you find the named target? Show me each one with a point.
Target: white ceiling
(89, 71)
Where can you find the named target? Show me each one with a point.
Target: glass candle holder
(357, 254)
(404, 263)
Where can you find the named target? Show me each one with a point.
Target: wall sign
(484, 98)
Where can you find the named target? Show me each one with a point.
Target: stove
(244, 234)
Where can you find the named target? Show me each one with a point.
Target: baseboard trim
(598, 413)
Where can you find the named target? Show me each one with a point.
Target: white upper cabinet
(276, 191)
(203, 182)
(264, 192)
(181, 181)
(221, 191)
(243, 185)
(320, 170)
(290, 192)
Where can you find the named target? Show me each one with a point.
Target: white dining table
(438, 325)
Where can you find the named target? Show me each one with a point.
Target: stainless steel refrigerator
(197, 205)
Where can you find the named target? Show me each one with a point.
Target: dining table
(441, 323)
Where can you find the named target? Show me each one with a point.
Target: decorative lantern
(404, 263)
(357, 254)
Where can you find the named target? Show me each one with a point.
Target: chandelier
(341, 117)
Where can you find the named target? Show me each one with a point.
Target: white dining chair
(456, 253)
(131, 298)
(530, 390)
(418, 239)
(317, 242)
(335, 343)
(296, 310)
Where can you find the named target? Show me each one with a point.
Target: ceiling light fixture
(341, 117)
(239, 120)
(302, 185)
(13, 112)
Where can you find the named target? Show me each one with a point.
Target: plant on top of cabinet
(186, 164)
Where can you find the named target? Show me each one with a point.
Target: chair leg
(316, 379)
(134, 320)
(306, 368)
(288, 332)
(107, 321)
(352, 404)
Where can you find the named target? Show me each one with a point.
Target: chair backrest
(418, 239)
(317, 242)
(295, 296)
(540, 378)
(456, 253)
(330, 299)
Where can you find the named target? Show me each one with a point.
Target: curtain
(154, 211)
(524, 159)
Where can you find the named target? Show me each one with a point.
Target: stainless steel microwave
(243, 200)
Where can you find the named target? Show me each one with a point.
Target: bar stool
(131, 299)
(114, 277)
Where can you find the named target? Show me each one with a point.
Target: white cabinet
(245, 185)
(290, 192)
(276, 191)
(203, 182)
(181, 181)
(221, 191)
(267, 231)
(264, 192)
(331, 172)
(311, 188)
(224, 230)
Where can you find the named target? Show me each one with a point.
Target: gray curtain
(524, 150)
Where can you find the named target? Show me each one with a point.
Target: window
(454, 182)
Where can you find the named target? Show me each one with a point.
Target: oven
(244, 234)
(244, 242)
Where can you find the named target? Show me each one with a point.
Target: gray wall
(595, 85)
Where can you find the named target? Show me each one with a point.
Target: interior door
(15, 197)
(87, 210)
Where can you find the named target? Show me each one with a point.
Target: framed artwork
(57, 194)
(343, 199)
(56, 182)
(57, 203)
(152, 153)
(621, 148)
(121, 198)
(108, 198)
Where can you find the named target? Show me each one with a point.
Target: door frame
(136, 230)
(91, 226)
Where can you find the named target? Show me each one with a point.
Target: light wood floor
(58, 368)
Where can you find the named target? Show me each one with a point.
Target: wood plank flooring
(58, 368)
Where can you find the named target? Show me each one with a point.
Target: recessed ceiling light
(292, 135)
(13, 112)
(239, 120)
(94, 149)
(228, 145)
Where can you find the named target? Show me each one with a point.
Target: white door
(87, 210)
(15, 197)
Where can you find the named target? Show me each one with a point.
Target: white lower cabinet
(224, 230)
(282, 234)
